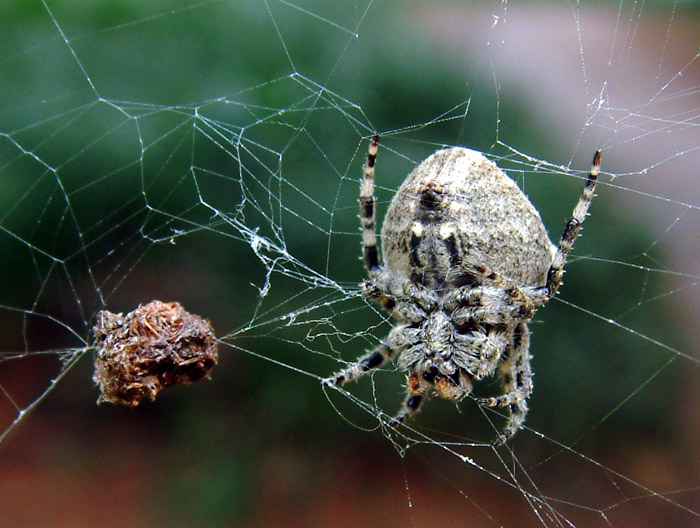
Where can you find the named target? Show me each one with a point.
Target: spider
(467, 263)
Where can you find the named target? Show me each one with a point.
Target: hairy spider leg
(573, 226)
(370, 250)
(491, 344)
(454, 388)
(518, 386)
(373, 359)
(417, 386)
(478, 303)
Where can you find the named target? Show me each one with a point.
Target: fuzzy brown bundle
(149, 349)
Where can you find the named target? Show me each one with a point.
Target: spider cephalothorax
(467, 262)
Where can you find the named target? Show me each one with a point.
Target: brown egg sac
(149, 349)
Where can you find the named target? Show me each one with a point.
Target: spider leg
(482, 300)
(454, 387)
(492, 306)
(486, 347)
(573, 226)
(518, 384)
(417, 392)
(367, 210)
(371, 360)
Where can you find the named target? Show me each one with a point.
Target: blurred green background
(145, 145)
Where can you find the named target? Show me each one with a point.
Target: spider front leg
(518, 384)
(417, 392)
(371, 360)
(370, 250)
(573, 226)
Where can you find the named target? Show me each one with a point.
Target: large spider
(467, 263)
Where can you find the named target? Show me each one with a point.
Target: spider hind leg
(453, 387)
(417, 393)
(518, 385)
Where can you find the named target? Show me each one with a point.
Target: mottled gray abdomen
(458, 209)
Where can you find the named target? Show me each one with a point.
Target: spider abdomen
(457, 210)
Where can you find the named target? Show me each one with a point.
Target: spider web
(209, 152)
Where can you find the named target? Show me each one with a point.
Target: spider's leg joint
(487, 402)
(333, 381)
(395, 422)
(595, 170)
(372, 152)
(414, 402)
(372, 361)
(411, 406)
(502, 438)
